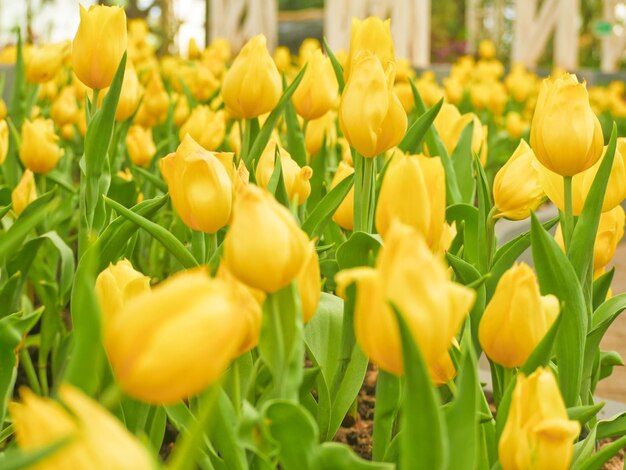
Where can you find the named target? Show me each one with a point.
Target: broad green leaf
(423, 441)
(601, 287)
(597, 460)
(465, 217)
(388, 393)
(556, 276)
(359, 250)
(318, 218)
(613, 427)
(584, 449)
(416, 133)
(164, 236)
(584, 413)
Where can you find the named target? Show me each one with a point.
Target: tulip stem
(567, 224)
(111, 397)
(94, 104)
(211, 245)
(365, 174)
(198, 246)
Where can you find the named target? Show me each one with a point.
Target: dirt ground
(614, 387)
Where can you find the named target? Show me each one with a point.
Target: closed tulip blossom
(130, 94)
(538, 434)
(344, 215)
(318, 91)
(99, 45)
(264, 247)
(44, 62)
(565, 133)
(96, 440)
(309, 282)
(370, 114)
(319, 132)
(252, 86)
(205, 126)
(24, 193)
(200, 186)
(450, 123)
(4, 140)
(371, 34)
(64, 109)
(517, 317)
(170, 343)
(140, 145)
(517, 187)
(39, 152)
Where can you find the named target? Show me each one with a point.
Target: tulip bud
(155, 104)
(3, 109)
(193, 51)
(252, 86)
(514, 124)
(182, 111)
(517, 317)
(538, 433)
(442, 371)
(39, 151)
(610, 233)
(309, 283)
(264, 247)
(64, 109)
(307, 48)
(199, 185)
(205, 127)
(371, 34)
(565, 133)
(130, 94)
(296, 179)
(382, 124)
(404, 92)
(616, 186)
(99, 45)
(44, 62)
(517, 189)
(159, 350)
(140, 145)
(24, 193)
(486, 49)
(282, 59)
(4, 140)
(417, 282)
(319, 129)
(450, 124)
(96, 440)
(318, 91)
(344, 215)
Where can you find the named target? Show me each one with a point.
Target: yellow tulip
(193, 51)
(182, 111)
(24, 193)
(371, 34)
(282, 59)
(160, 351)
(381, 125)
(517, 317)
(3, 109)
(99, 45)
(44, 62)
(39, 151)
(318, 91)
(454, 89)
(442, 371)
(252, 86)
(344, 215)
(514, 125)
(450, 124)
(307, 48)
(206, 127)
(538, 434)
(565, 133)
(155, 104)
(517, 188)
(200, 185)
(64, 109)
(319, 129)
(130, 94)
(97, 440)
(610, 233)
(4, 140)
(616, 186)
(486, 49)
(309, 283)
(67, 132)
(296, 179)
(140, 145)
(417, 282)
(404, 92)
(264, 247)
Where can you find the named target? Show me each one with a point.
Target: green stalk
(210, 241)
(245, 139)
(198, 247)
(29, 370)
(567, 224)
(364, 193)
(491, 234)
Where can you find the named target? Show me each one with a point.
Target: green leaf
(388, 393)
(153, 179)
(601, 287)
(295, 135)
(335, 456)
(315, 223)
(597, 460)
(276, 183)
(462, 160)
(360, 249)
(338, 69)
(270, 123)
(423, 443)
(556, 276)
(165, 237)
(296, 433)
(465, 216)
(584, 449)
(541, 355)
(613, 427)
(416, 133)
(581, 249)
(18, 459)
(584, 413)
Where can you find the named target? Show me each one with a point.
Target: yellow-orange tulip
(140, 145)
(538, 434)
(64, 109)
(517, 188)
(39, 152)
(371, 34)
(318, 91)
(296, 179)
(264, 247)
(565, 133)
(205, 127)
(309, 283)
(199, 185)
(252, 86)
(4, 140)
(159, 347)
(24, 193)
(517, 317)
(344, 215)
(381, 125)
(417, 282)
(99, 45)
(44, 62)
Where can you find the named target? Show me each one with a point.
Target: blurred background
(541, 33)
